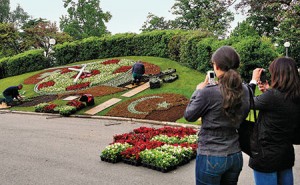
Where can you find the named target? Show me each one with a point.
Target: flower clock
(161, 149)
(114, 73)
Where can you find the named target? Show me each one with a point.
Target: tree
(279, 20)
(4, 11)
(10, 41)
(205, 15)
(38, 32)
(154, 22)
(85, 19)
(19, 17)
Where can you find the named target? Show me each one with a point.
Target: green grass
(185, 85)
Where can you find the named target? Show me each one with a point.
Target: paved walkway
(37, 149)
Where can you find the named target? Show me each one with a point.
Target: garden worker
(12, 92)
(138, 70)
(222, 107)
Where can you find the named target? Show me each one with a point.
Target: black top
(277, 119)
(12, 91)
(138, 68)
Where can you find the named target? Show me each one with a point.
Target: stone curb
(133, 120)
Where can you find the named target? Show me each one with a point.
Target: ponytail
(232, 92)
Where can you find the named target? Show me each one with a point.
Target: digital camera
(263, 76)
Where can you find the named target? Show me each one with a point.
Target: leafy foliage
(84, 19)
(205, 15)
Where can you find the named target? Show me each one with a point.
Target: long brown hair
(285, 77)
(228, 60)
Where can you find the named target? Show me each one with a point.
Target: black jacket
(274, 129)
(12, 91)
(138, 68)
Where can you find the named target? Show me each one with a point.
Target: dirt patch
(172, 114)
(95, 91)
(37, 100)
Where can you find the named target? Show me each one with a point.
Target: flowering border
(142, 146)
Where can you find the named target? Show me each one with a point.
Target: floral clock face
(113, 72)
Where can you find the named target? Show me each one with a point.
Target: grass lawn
(185, 85)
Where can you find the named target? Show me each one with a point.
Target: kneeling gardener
(12, 92)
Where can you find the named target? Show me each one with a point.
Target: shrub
(28, 61)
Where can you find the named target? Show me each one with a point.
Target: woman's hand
(256, 74)
(203, 84)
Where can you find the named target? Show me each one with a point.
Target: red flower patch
(140, 139)
(134, 152)
(36, 78)
(112, 61)
(50, 108)
(75, 103)
(46, 84)
(122, 69)
(78, 86)
(67, 70)
(151, 68)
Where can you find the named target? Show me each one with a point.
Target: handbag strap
(251, 95)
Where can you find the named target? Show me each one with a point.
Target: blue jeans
(284, 177)
(215, 170)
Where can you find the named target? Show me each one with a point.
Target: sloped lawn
(185, 85)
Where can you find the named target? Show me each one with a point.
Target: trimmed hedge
(28, 61)
(190, 48)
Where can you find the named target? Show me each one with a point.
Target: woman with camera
(279, 111)
(222, 107)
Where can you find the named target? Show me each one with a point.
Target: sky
(127, 15)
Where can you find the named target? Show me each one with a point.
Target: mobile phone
(263, 76)
(211, 77)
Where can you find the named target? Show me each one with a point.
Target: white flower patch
(106, 77)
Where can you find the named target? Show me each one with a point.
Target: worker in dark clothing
(138, 70)
(12, 92)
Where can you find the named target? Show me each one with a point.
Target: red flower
(78, 86)
(122, 69)
(46, 84)
(49, 108)
(112, 61)
(67, 70)
(75, 103)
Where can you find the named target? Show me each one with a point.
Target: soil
(95, 91)
(172, 114)
(148, 108)
(37, 100)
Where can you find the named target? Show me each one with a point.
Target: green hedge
(190, 48)
(28, 61)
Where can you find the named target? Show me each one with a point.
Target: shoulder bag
(247, 128)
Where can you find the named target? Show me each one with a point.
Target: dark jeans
(8, 99)
(284, 177)
(137, 77)
(216, 170)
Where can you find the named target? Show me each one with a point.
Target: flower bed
(78, 86)
(77, 104)
(115, 72)
(46, 84)
(65, 110)
(163, 107)
(145, 146)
